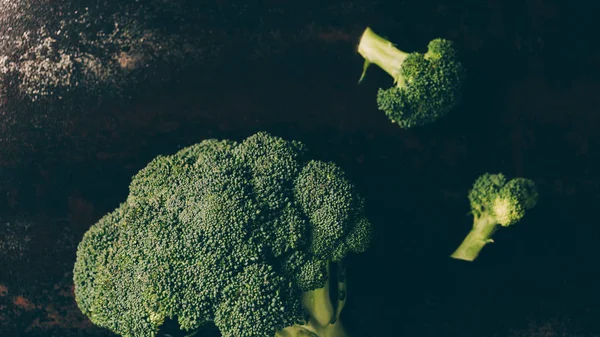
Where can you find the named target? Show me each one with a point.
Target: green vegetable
(495, 203)
(247, 235)
(427, 86)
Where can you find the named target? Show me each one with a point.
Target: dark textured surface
(530, 109)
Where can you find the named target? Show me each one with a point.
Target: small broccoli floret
(331, 204)
(427, 86)
(245, 235)
(257, 302)
(495, 202)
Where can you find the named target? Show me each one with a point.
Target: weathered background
(290, 68)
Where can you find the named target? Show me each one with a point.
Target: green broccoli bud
(427, 86)
(485, 188)
(256, 303)
(331, 204)
(306, 271)
(495, 202)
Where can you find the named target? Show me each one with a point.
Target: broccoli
(427, 86)
(251, 236)
(495, 202)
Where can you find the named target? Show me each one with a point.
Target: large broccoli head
(427, 85)
(234, 233)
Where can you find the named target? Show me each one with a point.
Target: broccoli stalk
(478, 237)
(495, 203)
(323, 317)
(426, 85)
(377, 50)
(341, 289)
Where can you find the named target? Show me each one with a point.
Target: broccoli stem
(319, 306)
(323, 317)
(341, 290)
(322, 321)
(478, 237)
(375, 49)
(295, 331)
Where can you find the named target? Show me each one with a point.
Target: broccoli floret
(427, 86)
(246, 235)
(494, 203)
